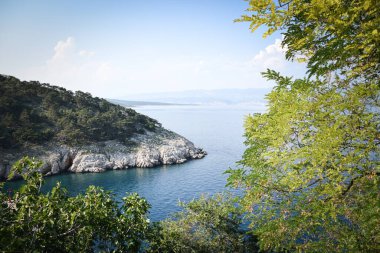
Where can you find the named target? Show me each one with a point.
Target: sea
(217, 129)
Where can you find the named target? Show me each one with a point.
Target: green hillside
(35, 113)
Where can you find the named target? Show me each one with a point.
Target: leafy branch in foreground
(311, 170)
(310, 173)
(332, 35)
(208, 224)
(31, 221)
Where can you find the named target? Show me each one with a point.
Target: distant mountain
(131, 103)
(206, 97)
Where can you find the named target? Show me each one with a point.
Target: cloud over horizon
(74, 69)
(107, 49)
(81, 69)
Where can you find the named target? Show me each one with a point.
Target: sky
(115, 49)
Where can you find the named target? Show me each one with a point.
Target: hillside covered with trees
(308, 180)
(34, 113)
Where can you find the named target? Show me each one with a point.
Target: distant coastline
(132, 103)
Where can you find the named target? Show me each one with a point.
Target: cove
(217, 129)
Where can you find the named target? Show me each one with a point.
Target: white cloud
(104, 71)
(84, 69)
(75, 69)
(63, 49)
(86, 53)
(273, 56)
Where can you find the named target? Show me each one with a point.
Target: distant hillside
(207, 97)
(131, 103)
(35, 113)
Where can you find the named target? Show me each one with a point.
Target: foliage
(334, 35)
(207, 224)
(35, 113)
(310, 173)
(31, 221)
(311, 168)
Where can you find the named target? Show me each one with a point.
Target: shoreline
(152, 149)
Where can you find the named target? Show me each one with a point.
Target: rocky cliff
(150, 149)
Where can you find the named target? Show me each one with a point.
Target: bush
(32, 221)
(207, 224)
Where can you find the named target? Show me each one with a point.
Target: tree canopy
(207, 224)
(311, 169)
(310, 173)
(332, 35)
(32, 221)
(36, 113)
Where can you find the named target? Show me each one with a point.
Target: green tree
(310, 173)
(333, 35)
(207, 224)
(311, 169)
(31, 221)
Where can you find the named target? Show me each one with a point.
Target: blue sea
(217, 129)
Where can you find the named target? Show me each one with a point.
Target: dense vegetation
(309, 176)
(207, 224)
(32, 221)
(34, 113)
(311, 171)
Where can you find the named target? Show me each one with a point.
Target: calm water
(217, 130)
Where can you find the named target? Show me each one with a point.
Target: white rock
(151, 149)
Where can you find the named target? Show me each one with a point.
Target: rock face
(149, 150)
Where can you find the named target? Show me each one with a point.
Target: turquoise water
(217, 130)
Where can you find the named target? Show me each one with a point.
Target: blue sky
(117, 48)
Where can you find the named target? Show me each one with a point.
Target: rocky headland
(78, 133)
(151, 149)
